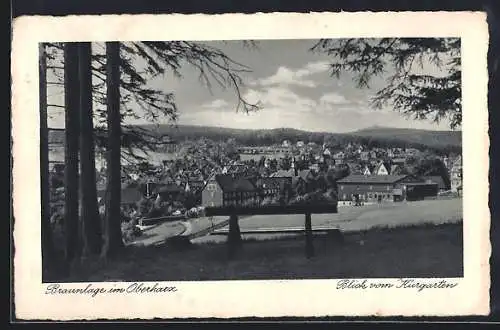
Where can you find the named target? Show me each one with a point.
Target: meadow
(417, 239)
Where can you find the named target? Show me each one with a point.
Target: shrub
(130, 231)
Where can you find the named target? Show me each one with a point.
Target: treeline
(439, 142)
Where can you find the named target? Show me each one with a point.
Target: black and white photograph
(369, 128)
(328, 158)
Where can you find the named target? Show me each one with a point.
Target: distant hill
(379, 135)
(433, 139)
(425, 137)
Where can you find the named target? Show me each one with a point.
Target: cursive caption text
(94, 290)
(418, 285)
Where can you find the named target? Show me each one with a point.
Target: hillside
(432, 139)
(425, 137)
(375, 135)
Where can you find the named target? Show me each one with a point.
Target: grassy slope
(422, 251)
(362, 218)
(427, 245)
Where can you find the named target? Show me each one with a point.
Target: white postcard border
(224, 299)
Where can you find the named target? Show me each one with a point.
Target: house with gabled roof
(381, 169)
(229, 190)
(368, 170)
(395, 169)
(379, 188)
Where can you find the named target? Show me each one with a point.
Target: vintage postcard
(265, 165)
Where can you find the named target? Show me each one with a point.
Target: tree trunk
(71, 98)
(309, 237)
(113, 236)
(234, 241)
(49, 262)
(91, 222)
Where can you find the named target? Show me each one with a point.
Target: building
(456, 175)
(300, 144)
(283, 173)
(129, 196)
(314, 167)
(355, 168)
(395, 169)
(437, 179)
(228, 190)
(411, 151)
(364, 155)
(339, 157)
(378, 188)
(169, 191)
(194, 186)
(307, 175)
(398, 161)
(381, 169)
(274, 187)
(234, 168)
(285, 144)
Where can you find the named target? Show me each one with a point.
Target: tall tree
(71, 100)
(91, 222)
(113, 236)
(121, 92)
(157, 59)
(424, 74)
(48, 252)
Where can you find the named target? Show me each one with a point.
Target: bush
(130, 231)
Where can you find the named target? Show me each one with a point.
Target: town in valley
(183, 177)
(217, 160)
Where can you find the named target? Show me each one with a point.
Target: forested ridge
(375, 136)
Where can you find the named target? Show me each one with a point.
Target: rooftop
(230, 183)
(359, 178)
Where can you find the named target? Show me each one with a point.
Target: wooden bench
(307, 209)
(280, 230)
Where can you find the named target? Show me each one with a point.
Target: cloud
(313, 68)
(280, 97)
(334, 98)
(299, 77)
(216, 104)
(285, 76)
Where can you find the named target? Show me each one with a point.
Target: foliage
(138, 99)
(409, 88)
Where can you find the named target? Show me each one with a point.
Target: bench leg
(309, 236)
(234, 240)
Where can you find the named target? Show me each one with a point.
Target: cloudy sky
(293, 85)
